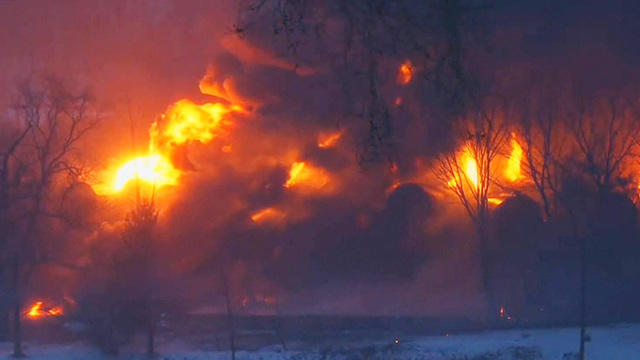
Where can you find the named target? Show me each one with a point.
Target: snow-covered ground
(616, 342)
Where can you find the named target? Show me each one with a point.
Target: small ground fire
(41, 310)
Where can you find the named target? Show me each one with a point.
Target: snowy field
(616, 342)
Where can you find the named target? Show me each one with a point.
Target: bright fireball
(153, 169)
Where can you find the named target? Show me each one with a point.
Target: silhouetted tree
(50, 119)
(605, 133)
(11, 174)
(469, 174)
(226, 289)
(544, 136)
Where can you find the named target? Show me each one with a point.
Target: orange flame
(326, 141)
(187, 122)
(405, 73)
(56, 311)
(303, 175)
(267, 214)
(36, 311)
(512, 171)
(294, 172)
(40, 310)
(502, 313)
(469, 167)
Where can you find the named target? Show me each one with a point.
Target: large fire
(183, 123)
(40, 310)
(187, 122)
(153, 169)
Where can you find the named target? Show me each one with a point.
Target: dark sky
(561, 27)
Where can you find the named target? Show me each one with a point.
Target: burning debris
(305, 176)
(326, 141)
(41, 310)
(269, 214)
(405, 73)
(503, 314)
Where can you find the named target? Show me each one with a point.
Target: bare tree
(11, 173)
(470, 174)
(542, 132)
(605, 134)
(52, 120)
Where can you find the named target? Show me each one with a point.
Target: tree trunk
(583, 302)
(483, 238)
(17, 330)
(280, 328)
(230, 324)
(5, 308)
(151, 332)
(232, 331)
(5, 324)
(111, 345)
(17, 313)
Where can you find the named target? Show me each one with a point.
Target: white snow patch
(617, 342)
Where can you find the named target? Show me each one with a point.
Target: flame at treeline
(469, 166)
(511, 169)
